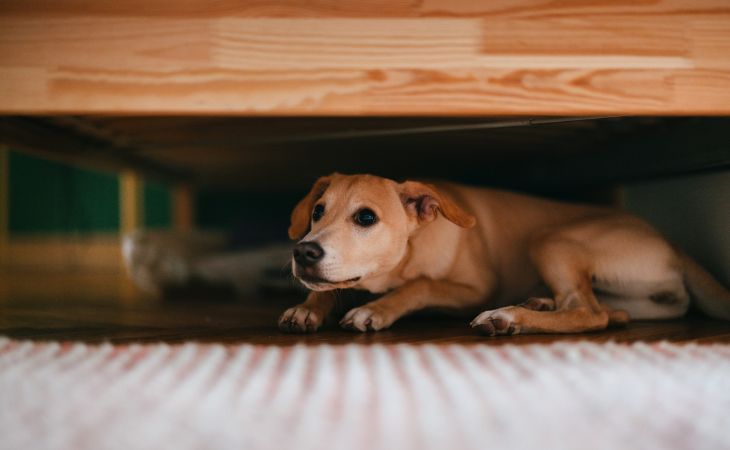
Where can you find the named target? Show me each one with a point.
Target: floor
(104, 307)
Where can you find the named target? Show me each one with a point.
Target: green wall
(157, 205)
(47, 197)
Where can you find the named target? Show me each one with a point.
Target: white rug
(563, 396)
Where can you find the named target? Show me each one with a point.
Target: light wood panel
(131, 206)
(435, 57)
(89, 254)
(183, 208)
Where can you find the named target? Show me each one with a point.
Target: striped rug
(562, 396)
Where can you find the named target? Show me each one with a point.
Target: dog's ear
(302, 213)
(424, 200)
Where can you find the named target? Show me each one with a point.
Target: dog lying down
(529, 265)
(526, 265)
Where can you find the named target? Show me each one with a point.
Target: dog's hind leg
(636, 273)
(565, 266)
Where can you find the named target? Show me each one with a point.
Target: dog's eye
(318, 212)
(365, 217)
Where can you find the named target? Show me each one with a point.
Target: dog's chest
(431, 255)
(381, 284)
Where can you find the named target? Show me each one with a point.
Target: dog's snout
(307, 253)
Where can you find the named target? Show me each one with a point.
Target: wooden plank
(520, 57)
(131, 208)
(45, 138)
(183, 208)
(87, 254)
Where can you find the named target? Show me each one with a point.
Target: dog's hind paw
(300, 319)
(502, 321)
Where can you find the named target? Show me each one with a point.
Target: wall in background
(253, 218)
(692, 211)
(58, 217)
(157, 204)
(50, 198)
(47, 197)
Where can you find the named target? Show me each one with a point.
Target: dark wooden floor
(99, 308)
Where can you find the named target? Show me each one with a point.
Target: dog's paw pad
(364, 319)
(299, 319)
(496, 322)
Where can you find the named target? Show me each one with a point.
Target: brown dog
(539, 266)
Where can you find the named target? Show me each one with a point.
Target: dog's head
(353, 227)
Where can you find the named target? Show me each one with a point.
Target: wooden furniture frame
(365, 57)
(75, 75)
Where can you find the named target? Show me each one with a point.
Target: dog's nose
(307, 253)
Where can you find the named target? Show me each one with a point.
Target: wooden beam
(183, 208)
(669, 148)
(131, 202)
(73, 145)
(46, 253)
(520, 57)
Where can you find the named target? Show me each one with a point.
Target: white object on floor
(560, 396)
(158, 259)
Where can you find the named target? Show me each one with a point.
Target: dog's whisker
(286, 266)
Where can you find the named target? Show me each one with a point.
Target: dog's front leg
(413, 296)
(310, 315)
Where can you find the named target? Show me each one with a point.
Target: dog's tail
(709, 295)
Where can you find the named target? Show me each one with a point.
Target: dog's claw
(299, 319)
(486, 328)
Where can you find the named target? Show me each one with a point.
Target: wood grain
(433, 57)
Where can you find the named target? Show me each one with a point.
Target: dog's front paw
(366, 318)
(300, 319)
(498, 321)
